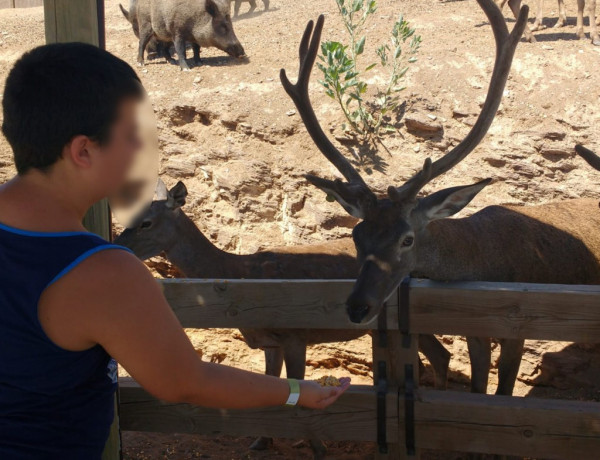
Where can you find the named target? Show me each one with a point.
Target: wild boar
(238, 4)
(201, 22)
(154, 48)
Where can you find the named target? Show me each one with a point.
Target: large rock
(418, 122)
(179, 167)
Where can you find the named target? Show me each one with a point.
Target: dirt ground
(229, 131)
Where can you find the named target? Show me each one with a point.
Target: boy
(70, 301)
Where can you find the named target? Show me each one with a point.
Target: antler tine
(589, 156)
(506, 44)
(308, 50)
(416, 183)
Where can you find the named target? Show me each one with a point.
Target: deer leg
(236, 8)
(180, 48)
(562, 14)
(294, 354)
(511, 353)
(273, 365)
(515, 7)
(593, 26)
(252, 6)
(579, 29)
(266, 3)
(480, 353)
(539, 17)
(439, 358)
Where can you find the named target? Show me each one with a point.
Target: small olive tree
(344, 81)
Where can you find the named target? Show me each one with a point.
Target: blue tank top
(54, 403)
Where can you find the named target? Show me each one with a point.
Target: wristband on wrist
(294, 392)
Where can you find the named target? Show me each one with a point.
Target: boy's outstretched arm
(111, 299)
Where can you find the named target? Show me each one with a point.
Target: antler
(589, 156)
(356, 189)
(506, 45)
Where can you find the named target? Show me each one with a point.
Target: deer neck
(448, 251)
(194, 254)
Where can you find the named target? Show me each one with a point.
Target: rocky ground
(229, 131)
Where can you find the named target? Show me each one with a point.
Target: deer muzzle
(367, 297)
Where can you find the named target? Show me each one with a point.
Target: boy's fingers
(334, 394)
(327, 401)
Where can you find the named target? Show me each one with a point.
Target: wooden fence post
(398, 350)
(83, 21)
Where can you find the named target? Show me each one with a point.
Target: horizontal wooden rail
(446, 420)
(501, 310)
(312, 304)
(353, 417)
(505, 425)
(506, 310)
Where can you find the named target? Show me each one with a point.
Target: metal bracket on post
(409, 409)
(404, 309)
(382, 383)
(409, 374)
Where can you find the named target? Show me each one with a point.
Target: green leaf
(360, 46)
(370, 66)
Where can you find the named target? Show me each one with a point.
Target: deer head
(387, 238)
(155, 229)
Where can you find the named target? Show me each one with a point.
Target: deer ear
(342, 193)
(212, 8)
(177, 195)
(161, 191)
(449, 201)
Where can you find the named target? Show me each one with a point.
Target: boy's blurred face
(115, 158)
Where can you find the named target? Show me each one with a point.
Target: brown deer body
(403, 233)
(554, 243)
(515, 6)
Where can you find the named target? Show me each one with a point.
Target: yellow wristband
(294, 392)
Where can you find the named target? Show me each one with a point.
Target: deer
(403, 233)
(238, 4)
(515, 6)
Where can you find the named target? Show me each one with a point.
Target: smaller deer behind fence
(164, 227)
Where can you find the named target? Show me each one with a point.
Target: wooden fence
(395, 413)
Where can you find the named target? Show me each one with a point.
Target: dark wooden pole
(83, 21)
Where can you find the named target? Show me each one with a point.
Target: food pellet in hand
(329, 381)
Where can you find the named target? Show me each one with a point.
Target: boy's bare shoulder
(114, 268)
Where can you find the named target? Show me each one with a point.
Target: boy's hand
(314, 396)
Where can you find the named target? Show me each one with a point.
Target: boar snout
(236, 50)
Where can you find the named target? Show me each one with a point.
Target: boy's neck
(44, 202)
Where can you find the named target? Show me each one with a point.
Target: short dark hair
(56, 92)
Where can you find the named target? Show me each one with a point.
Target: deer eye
(146, 224)
(408, 241)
